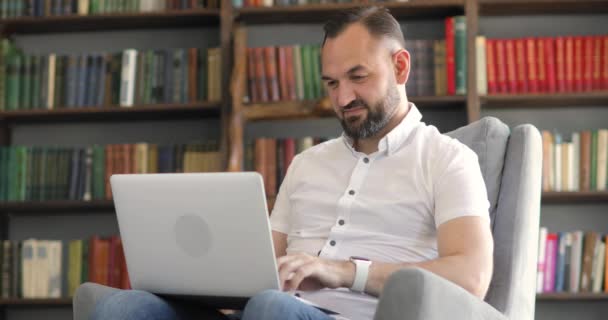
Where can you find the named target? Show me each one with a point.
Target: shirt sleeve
(281, 213)
(459, 189)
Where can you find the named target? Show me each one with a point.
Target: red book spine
(283, 84)
(550, 263)
(605, 62)
(290, 153)
(588, 63)
(569, 64)
(491, 66)
(511, 66)
(578, 64)
(254, 96)
(560, 63)
(541, 55)
(270, 61)
(550, 64)
(450, 55)
(260, 75)
(291, 78)
(522, 71)
(597, 66)
(532, 63)
(501, 67)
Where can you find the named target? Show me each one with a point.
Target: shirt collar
(396, 137)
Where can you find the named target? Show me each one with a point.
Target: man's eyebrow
(350, 71)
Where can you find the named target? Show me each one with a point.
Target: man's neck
(370, 145)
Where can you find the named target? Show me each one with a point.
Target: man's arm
(465, 247)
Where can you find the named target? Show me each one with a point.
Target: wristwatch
(361, 273)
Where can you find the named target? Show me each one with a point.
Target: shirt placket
(338, 232)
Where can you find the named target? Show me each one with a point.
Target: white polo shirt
(386, 206)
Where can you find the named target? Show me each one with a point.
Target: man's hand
(302, 271)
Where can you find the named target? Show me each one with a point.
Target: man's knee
(268, 305)
(133, 304)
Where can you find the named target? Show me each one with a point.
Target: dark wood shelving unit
(56, 206)
(575, 197)
(318, 13)
(148, 112)
(311, 109)
(114, 21)
(603, 297)
(545, 100)
(534, 7)
(43, 303)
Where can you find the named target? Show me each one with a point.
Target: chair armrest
(86, 297)
(417, 294)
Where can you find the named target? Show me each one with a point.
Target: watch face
(359, 258)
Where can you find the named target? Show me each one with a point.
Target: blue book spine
(90, 89)
(561, 262)
(237, 3)
(72, 81)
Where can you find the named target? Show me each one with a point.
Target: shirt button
(319, 253)
(351, 192)
(332, 243)
(297, 295)
(341, 222)
(366, 160)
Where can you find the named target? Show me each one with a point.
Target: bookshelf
(114, 21)
(234, 114)
(472, 104)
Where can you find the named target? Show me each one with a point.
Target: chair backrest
(511, 167)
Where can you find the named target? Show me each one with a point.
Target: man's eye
(332, 84)
(357, 77)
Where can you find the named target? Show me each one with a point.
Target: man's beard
(376, 119)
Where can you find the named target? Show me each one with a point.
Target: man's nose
(345, 95)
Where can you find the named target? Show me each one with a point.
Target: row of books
(43, 173)
(542, 65)
(107, 79)
(272, 3)
(39, 8)
(572, 262)
(292, 73)
(577, 163)
(54, 269)
(271, 157)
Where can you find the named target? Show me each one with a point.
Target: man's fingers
(288, 267)
(303, 272)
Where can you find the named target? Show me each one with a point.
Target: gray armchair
(511, 167)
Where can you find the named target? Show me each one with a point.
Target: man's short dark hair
(377, 20)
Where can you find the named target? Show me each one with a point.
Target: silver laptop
(202, 235)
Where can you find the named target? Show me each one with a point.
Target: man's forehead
(355, 46)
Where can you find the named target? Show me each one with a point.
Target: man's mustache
(355, 104)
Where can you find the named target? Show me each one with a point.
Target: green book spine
(36, 81)
(85, 261)
(460, 43)
(12, 72)
(29, 180)
(43, 174)
(51, 174)
(26, 81)
(316, 63)
(4, 60)
(22, 172)
(99, 172)
(94, 7)
(593, 168)
(59, 85)
(306, 71)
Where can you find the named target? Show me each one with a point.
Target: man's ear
(401, 63)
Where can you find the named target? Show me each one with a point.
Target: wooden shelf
(572, 296)
(115, 113)
(117, 21)
(318, 13)
(62, 302)
(575, 197)
(547, 100)
(58, 206)
(535, 7)
(310, 109)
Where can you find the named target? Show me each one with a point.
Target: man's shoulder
(322, 149)
(442, 146)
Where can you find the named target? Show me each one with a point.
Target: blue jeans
(266, 305)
